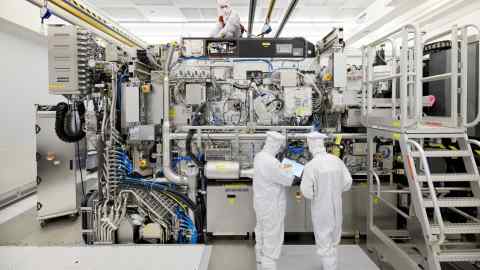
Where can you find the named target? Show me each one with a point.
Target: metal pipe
(288, 13)
(251, 16)
(167, 169)
(80, 12)
(454, 78)
(251, 111)
(271, 5)
(260, 136)
(186, 128)
(433, 194)
(477, 118)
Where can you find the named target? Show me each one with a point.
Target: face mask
(225, 10)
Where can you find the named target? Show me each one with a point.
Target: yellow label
(338, 139)
(396, 136)
(56, 86)
(396, 123)
(266, 44)
(328, 77)
(172, 113)
(233, 186)
(221, 167)
(300, 111)
(478, 152)
(376, 200)
(231, 200)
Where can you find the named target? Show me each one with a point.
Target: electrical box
(298, 101)
(141, 133)
(112, 53)
(130, 104)
(63, 60)
(195, 93)
(340, 70)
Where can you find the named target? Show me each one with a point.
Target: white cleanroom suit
(269, 202)
(228, 25)
(324, 180)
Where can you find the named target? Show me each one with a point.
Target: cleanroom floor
(21, 234)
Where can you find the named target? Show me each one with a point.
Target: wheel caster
(43, 223)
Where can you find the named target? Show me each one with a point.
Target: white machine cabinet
(56, 171)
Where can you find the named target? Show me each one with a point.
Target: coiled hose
(65, 115)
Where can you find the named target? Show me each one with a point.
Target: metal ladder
(430, 199)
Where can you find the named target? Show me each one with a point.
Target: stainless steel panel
(230, 209)
(295, 220)
(57, 187)
(355, 209)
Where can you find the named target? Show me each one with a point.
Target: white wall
(23, 82)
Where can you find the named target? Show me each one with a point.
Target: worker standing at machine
(228, 25)
(270, 201)
(325, 178)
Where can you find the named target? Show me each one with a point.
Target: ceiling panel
(110, 3)
(191, 14)
(161, 13)
(124, 13)
(154, 19)
(152, 2)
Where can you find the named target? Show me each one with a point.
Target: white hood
(316, 143)
(224, 8)
(274, 143)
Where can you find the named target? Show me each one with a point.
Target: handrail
(379, 190)
(436, 207)
(384, 38)
(465, 93)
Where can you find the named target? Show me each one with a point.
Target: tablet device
(292, 168)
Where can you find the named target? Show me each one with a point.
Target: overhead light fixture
(361, 18)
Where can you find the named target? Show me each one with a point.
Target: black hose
(188, 148)
(64, 115)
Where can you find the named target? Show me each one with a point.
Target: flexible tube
(62, 122)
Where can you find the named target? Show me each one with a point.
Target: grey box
(56, 170)
(141, 133)
(63, 60)
(130, 105)
(230, 209)
(195, 93)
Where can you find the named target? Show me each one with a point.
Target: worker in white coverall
(324, 180)
(228, 25)
(269, 189)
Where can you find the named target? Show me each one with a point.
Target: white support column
(454, 77)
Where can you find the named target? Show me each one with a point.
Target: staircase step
(454, 202)
(450, 178)
(460, 228)
(443, 153)
(467, 255)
